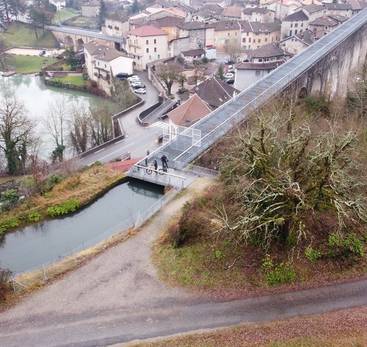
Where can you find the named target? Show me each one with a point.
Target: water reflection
(42, 243)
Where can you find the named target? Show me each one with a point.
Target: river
(38, 98)
(40, 244)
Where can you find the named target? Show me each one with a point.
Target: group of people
(164, 161)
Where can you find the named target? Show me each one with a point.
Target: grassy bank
(72, 80)
(64, 14)
(27, 64)
(337, 329)
(66, 197)
(23, 35)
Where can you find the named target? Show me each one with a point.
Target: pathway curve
(117, 297)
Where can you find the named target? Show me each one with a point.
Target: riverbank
(70, 195)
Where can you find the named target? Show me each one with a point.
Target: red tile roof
(147, 30)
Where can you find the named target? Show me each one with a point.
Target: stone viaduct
(76, 37)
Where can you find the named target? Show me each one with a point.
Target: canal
(38, 99)
(37, 245)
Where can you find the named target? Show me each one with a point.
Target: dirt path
(116, 297)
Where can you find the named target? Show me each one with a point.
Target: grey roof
(102, 52)
(226, 25)
(258, 27)
(193, 52)
(324, 21)
(258, 66)
(214, 91)
(298, 16)
(339, 7)
(313, 8)
(251, 10)
(193, 25)
(271, 50)
(169, 21)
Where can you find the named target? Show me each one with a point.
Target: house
(208, 13)
(214, 92)
(226, 33)
(103, 63)
(200, 34)
(91, 8)
(339, 9)
(323, 25)
(248, 73)
(231, 13)
(297, 43)
(193, 55)
(313, 11)
(294, 23)
(170, 25)
(257, 34)
(189, 111)
(283, 8)
(147, 44)
(267, 53)
(115, 25)
(258, 14)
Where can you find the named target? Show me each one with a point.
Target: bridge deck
(181, 150)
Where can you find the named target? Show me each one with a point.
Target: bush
(4, 283)
(51, 182)
(8, 224)
(33, 217)
(8, 199)
(66, 207)
(277, 274)
(317, 105)
(312, 254)
(349, 246)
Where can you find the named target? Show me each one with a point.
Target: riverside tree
(15, 133)
(169, 73)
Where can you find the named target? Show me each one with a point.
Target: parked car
(122, 76)
(134, 78)
(42, 53)
(229, 75)
(137, 85)
(229, 81)
(230, 69)
(140, 91)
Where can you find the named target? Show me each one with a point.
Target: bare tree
(233, 49)
(15, 132)
(100, 125)
(55, 123)
(357, 97)
(169, 73)
(79, 128)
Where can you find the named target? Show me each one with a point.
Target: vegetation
(26, 64)
(64, 14)
(71, 80)
(169, 73)
(23, 35)
(4, 284)
(55, 196)
(291, 199)
(82, 22)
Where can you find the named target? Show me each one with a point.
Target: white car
(229, 75)
(134, 78)
(140, 91)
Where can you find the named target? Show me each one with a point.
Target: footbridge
(324, 68)
(77, 37)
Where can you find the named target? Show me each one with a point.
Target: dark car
(122, 76)
(230, 81)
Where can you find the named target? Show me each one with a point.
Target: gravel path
(116, 297)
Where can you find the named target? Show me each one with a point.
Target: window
(155, 41)
(147, 42)
(159, 57)
(259, 41)
(117, 28)
(147, 50)
(295, 32)
(150, 57)
(291, 25)
(266, 39)
(155, 49)
(249, 39)
(244, 40)
(290, 33)
(296, 25)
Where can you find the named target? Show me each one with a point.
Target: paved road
(117, 297)
(139, 139)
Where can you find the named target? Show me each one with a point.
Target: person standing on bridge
(155, 163)
(146, 158)
(164, 161)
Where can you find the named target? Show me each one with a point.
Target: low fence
(148, 111)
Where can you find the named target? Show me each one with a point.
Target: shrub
(349, 246)
(66, 207)
(51, 182)
(312, 254)
(277, 274)
(33, 217)
(8, 199)
(73, 182)
(318, 105)
(4, 283)
(8, 224)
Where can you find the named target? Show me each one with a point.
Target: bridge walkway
(182, 149)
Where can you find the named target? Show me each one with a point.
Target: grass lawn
(22, 35)
(27, 64)
(64, 14)
(76, 80)
(82, 22)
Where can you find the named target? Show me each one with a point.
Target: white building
(103, 63)
(294, 24)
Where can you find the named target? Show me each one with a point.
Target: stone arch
(79, 44)
(68, 41)
(302, 92)
(332, 79)
(316, 87)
